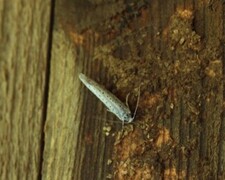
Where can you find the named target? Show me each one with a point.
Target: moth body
(113, 104)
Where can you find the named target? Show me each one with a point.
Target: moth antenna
(127, 97)
(139, 94)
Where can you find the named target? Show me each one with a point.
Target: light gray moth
(113, 104)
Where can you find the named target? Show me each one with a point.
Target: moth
(113, 104)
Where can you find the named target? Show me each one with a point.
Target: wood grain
(24, 36)
(51, 126)
(76, 147)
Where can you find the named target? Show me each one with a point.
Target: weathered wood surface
(24, 36)
(57, 132)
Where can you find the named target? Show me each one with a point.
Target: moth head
(127, 117)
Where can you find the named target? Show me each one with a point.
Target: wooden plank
(213, 92)
(166, 50)
(179, 130)
(61, 128)
(73, 130)
(24, 36)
